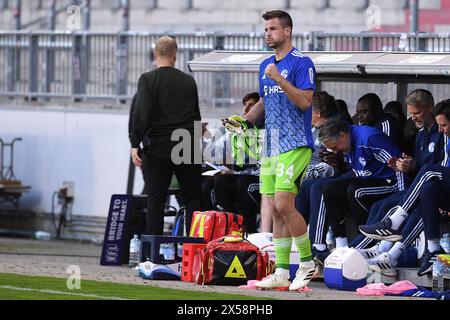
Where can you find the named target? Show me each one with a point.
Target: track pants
(429, 172)
(353, 195)
(379, 210)
(309, 202)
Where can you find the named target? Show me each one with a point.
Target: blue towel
(424, 293)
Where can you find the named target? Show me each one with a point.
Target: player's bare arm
(256, 114)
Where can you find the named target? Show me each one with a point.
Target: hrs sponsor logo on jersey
(272, 90)
(362, 173)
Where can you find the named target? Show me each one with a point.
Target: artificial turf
(52, 288)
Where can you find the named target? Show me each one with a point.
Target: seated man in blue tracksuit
(367, 151)
(324, 108)
(428, 192)
(369, 112)
(429, 149)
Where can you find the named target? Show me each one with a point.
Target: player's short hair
(443, 108)
(250, 96)
(324, 103)
(332, 129)
(374, 103)
(420, 98)
(283, 16)
(166, 46)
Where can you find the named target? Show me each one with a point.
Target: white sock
(398, 217)
(282, 272)
(341, 242)
(396, 251)
(385, 246)
(320, 246)
(433, 245)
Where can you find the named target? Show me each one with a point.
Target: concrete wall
(90, 149)
(226, 16)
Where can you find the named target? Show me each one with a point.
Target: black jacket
(166, 100)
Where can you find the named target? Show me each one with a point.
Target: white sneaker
(303, 276)
(369, 253)
(383, 265)
(274, 281)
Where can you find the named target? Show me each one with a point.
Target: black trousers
(158, 171)
(239, 194)
(353, 197)
(208, 193)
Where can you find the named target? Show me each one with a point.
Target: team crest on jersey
(431, 147)
(284, 73)
(362, 161)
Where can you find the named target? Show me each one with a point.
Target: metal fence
(92, 65)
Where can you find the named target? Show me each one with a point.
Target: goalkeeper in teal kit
(287, 82)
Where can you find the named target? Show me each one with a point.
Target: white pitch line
(61, 292)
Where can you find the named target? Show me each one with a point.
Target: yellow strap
(202, 225)
(194, 224)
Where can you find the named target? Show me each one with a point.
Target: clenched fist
(272, 72)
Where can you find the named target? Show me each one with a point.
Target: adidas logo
(287, 181)
(384, 265)
(310, 274)
(382, 232)
(298, 54)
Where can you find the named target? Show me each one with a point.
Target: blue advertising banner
(113, 244)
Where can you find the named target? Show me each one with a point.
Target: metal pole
(126, 15)
(15, 57)
(122, 66)
(51, 15)
(33, 63)
(287, 4)
(413, 16)
(222, 80)
(79, 67)
(17, 14)
(130, 181)
(152, 4)
(3, 4)
(87, 15)
(50, 54)
(87, 26)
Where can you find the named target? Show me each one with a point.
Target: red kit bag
(211, 225)
(230, 261)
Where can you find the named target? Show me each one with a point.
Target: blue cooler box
(345, 269)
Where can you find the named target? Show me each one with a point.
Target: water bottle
(445, 242)
(169, 252)
(179, 250)
(438, 276)
(331, 242)
(43, 235)
(135, 251)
